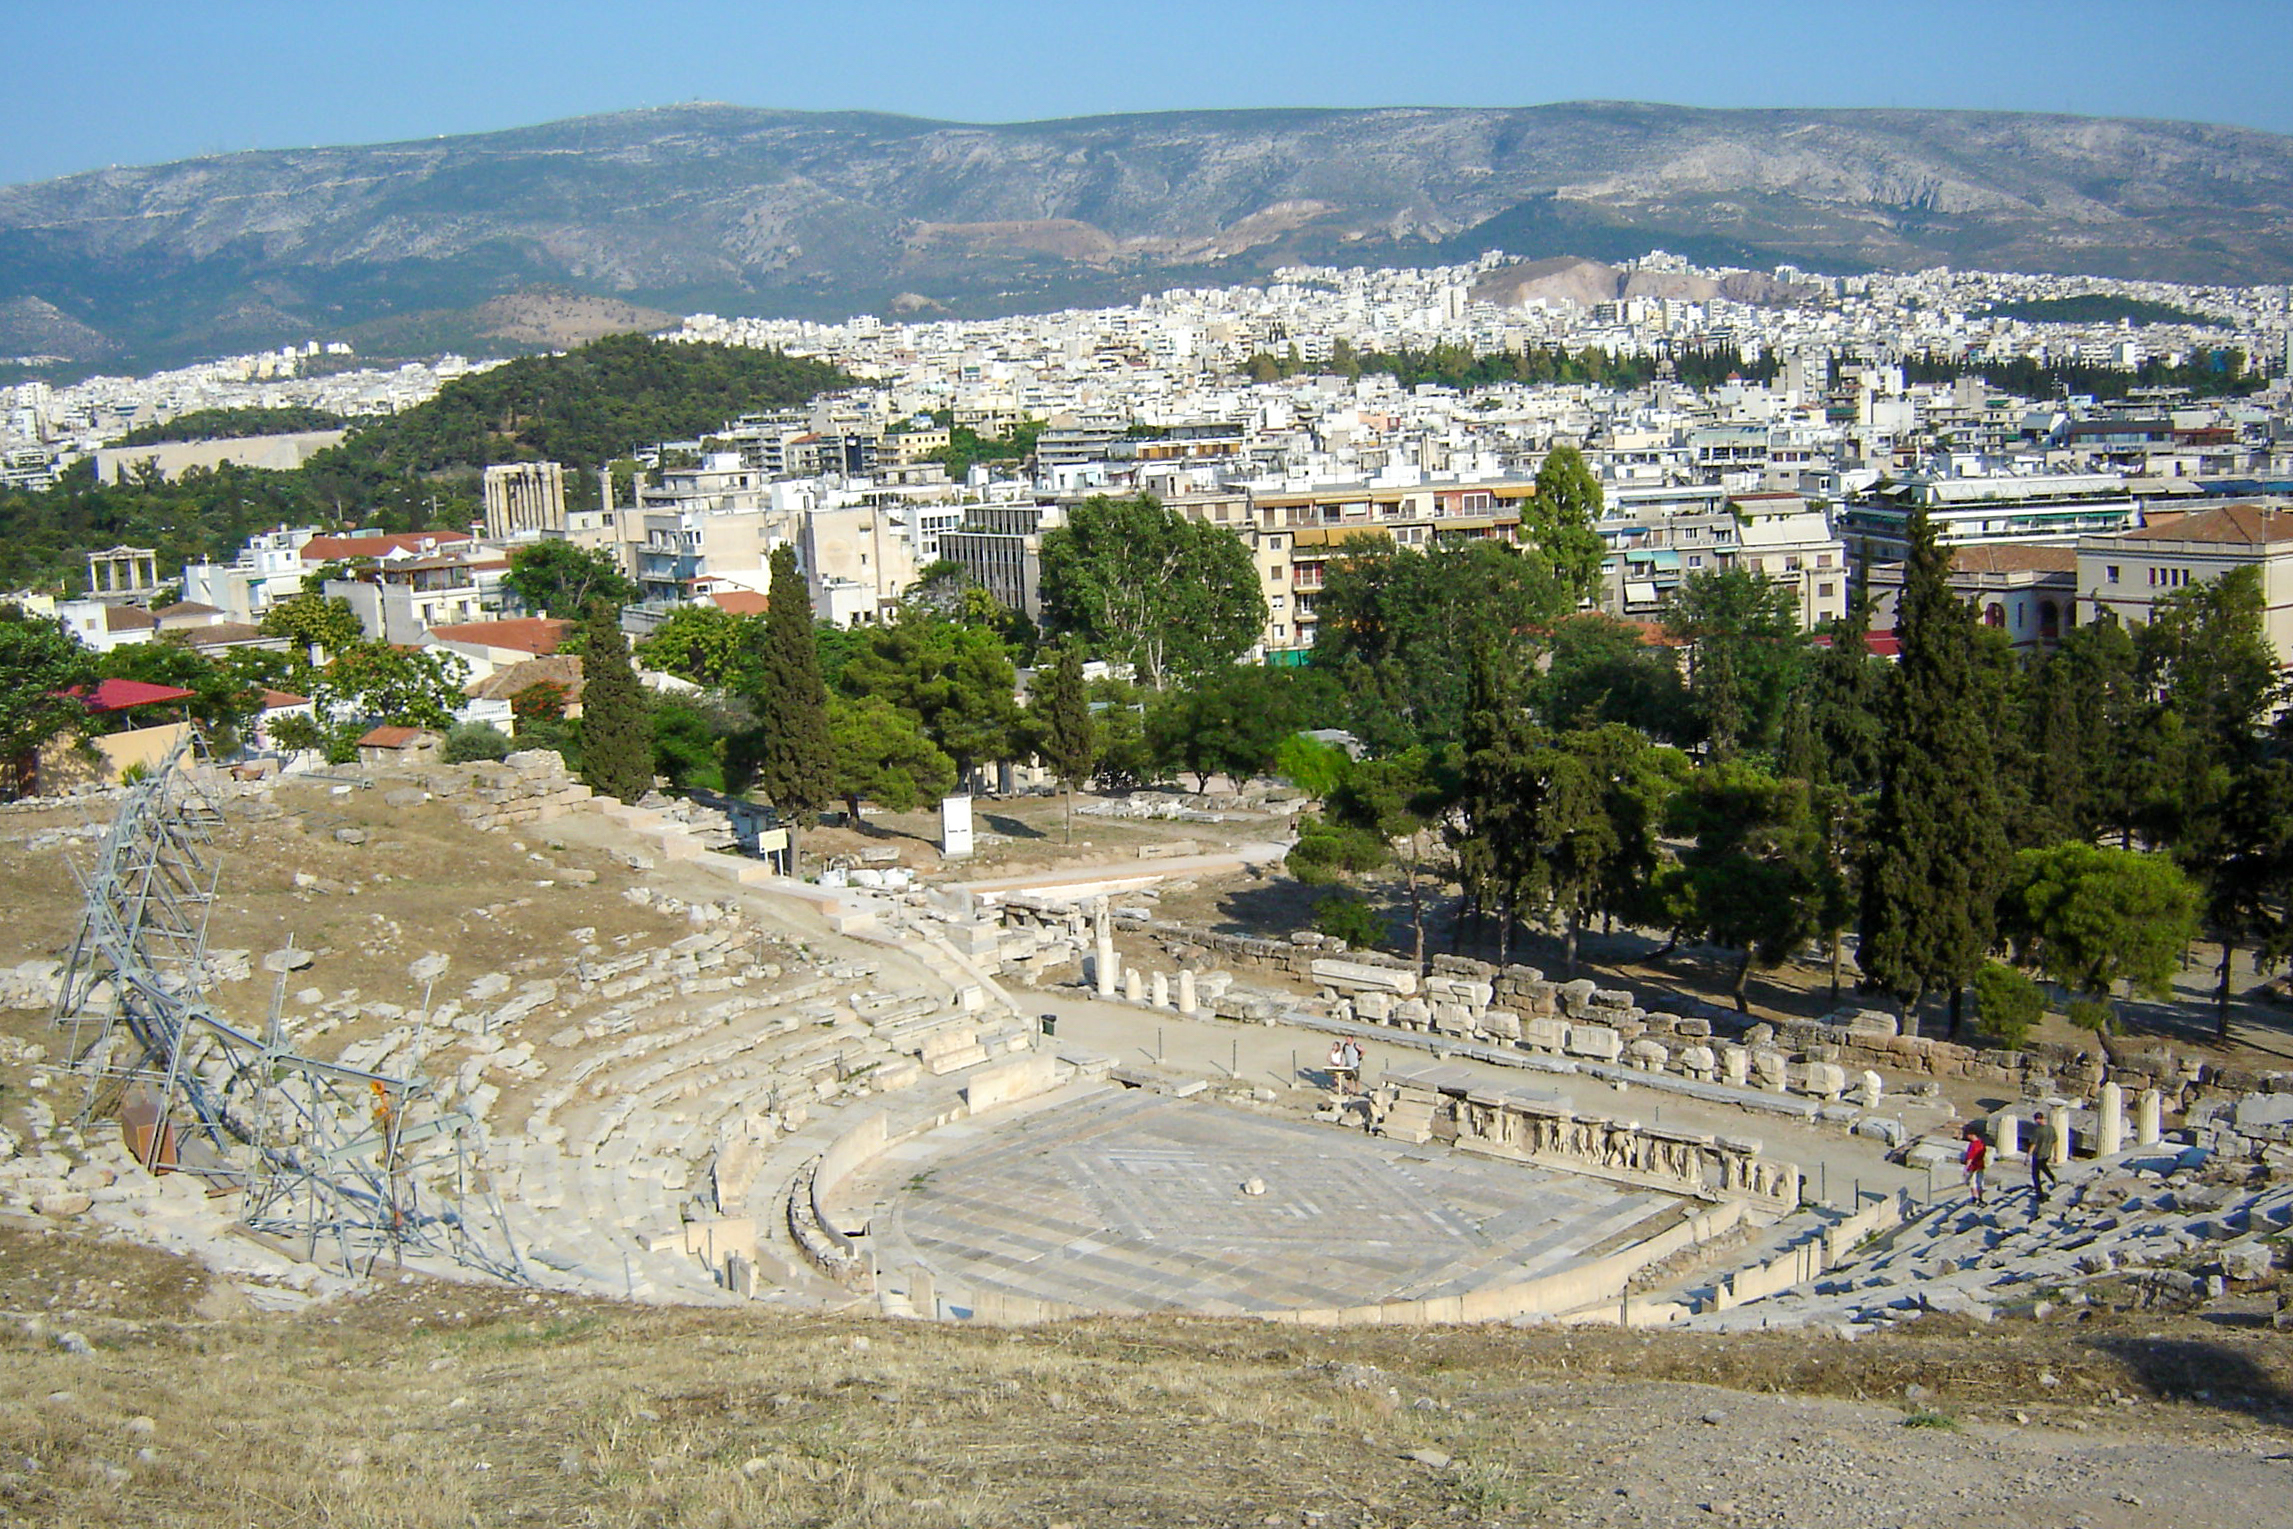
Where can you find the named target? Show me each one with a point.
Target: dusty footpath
(136, 1388)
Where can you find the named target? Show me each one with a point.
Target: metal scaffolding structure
(346, 1164)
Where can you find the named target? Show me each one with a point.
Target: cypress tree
(1936, 857)
(616, 727)
(796, 757)
(1069, 739)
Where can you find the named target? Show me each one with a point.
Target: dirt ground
(420, 1404)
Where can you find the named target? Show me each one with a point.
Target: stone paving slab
(1132, 1201)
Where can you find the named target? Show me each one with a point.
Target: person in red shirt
(1976, 1160)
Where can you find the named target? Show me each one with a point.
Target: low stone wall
(531, 786)
(1499, 1123)
(1808, 1258)
(1519, 1006)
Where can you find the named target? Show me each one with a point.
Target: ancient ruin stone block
(1600, 1042)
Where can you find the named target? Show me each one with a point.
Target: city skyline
(170, 85)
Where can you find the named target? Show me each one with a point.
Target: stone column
(2008, 1130)
(2110, 1137)
(2061, 1118)
(2146, 1112)
(1186, 992)
(1736, 1066)
(1133, 988)
(1158, 991)
(1870, 1087)
(1104, 972)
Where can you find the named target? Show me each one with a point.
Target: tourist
(1353, 1061)
(1977, 1158)
(2042, 1143)
(1341, 1079)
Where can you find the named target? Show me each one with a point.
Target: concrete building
(1294, 534)
(1658, 538)
(2128, 574)
(1001, 547)
(397, 602)
(2057, 508)
(268, 569)
(2029, 593)
(524, 499)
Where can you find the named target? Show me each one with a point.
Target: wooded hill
(420, 468)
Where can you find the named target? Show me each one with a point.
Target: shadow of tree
(1011, 828)
(1274, 908)
(2219, 1375)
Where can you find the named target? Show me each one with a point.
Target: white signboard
(955, 827)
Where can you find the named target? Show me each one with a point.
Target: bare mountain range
(400, 246)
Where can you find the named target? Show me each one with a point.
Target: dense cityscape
(1163, 879)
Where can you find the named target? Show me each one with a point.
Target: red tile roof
(538, 635)
(2248, 525)
(325, 549)
(740, 602)
(275, 699)
(121, 695)
(388, 737)
(220, 634)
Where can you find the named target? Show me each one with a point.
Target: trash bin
(1050, 1024)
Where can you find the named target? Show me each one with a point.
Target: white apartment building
(267, 570)
(1659, 538)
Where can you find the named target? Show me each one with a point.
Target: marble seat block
(1355, 977)
(1599, 1042)
(1546, 1034)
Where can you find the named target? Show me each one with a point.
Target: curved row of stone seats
(2153, 1223)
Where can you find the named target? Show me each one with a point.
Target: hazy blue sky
(100, 83)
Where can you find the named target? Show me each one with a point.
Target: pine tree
(1068, 738)
(795, 754)
(1936, 856)
(616, 730)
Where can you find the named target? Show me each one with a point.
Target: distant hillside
(591, 405)
(2096, 308)
(752, 211)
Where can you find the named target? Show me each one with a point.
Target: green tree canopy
(559, 579)
(2091, 918)
(1747, 653)
(39, 661)
(222, 702)
(2008, 1005)
(313, 620)
(1231, 723)
(1141, 584)
(616, 726)
(1401, 630)
(1558, 524)
(1756, 872)
(1605, 670)
(1066, 734)
(1936, 852)
(956, 680)
(793, 752)
(705, 644)
(883, 756)
(1399, 801)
